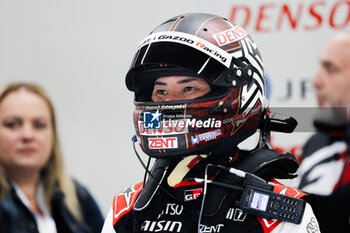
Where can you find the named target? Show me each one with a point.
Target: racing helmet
(204, 46)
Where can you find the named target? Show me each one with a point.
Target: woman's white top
(45, 223)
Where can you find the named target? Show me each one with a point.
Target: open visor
(169, 59)
(174, 53)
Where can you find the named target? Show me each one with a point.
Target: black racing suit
(325, 174)
(178, 209)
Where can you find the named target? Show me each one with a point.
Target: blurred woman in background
(36, 194)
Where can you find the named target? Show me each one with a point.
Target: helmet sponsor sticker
(208, 136)
(190, 40)
(236, 120)
(162, 143)
(138, 139)
(229, 36)
(165, 107)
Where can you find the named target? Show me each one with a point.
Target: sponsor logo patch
(192, 194)
(206, 136)
(229, 36)
(236, 215)
(312, 226)
(172, 209)
(124, 201)
(210, 229)
(162, 143)
(161, 226)
(191, 41)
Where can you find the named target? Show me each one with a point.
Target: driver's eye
(162, 92)
(189, 89)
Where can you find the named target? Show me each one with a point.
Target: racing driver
(199, 89)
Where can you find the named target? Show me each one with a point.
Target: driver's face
(172, 88)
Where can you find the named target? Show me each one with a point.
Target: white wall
(80, 50)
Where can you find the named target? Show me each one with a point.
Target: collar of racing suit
(264, 162)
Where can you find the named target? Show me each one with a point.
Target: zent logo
(162, 143)
(151, 120)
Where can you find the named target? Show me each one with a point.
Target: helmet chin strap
(182, 168)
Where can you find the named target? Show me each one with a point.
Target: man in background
(325, 163)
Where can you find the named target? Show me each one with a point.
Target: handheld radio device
(272, 205)
(259, 199)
